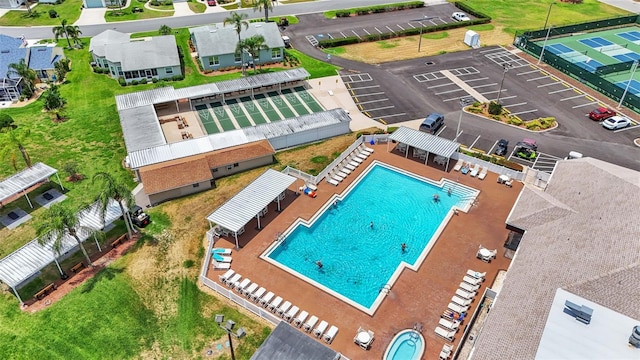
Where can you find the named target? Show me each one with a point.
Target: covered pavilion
(429, 144)
(25, 181)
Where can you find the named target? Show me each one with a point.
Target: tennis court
(293, 100)
(634, 86)
(253, 111)
(207, 119)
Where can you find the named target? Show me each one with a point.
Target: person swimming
(319, 263)
(403, 246)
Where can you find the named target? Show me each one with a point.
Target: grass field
(69, 10)
(125, 14)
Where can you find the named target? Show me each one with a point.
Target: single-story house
(42, 60)
(216, 45)
(135, 59)
(11, 4)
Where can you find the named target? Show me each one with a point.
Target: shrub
(342, 13)
(533, 125)
(177, 77)
(134, 82)
(122, 81)
(514, 120)
(495, 108)
(154, 80)
(188, 264)
(547, 122)
(53, 14)
(142, 81)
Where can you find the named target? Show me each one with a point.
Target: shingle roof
(98, 42)
(172, 175)
(42, 57)
(218, 39)
(148, 53)
(597, 240)
(287, 343)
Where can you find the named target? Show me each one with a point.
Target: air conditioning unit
(579, 312)
(634, 339)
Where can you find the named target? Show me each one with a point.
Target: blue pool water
(407, 345)
(358, 260)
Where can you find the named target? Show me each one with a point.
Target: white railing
(339, 159)
(300, 175)
(500, 170)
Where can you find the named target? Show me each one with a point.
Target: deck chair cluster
(221, 258)
(451, 319)
(349, 164)
(472, 169)
(277, 305)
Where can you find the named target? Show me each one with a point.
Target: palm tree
(28, 75)
(66, 30)
(267, 5)
(254, 45)
(238, 21)
(164, 30)
(74, 33)
(13, 144)
(118, 191)
(58, 221)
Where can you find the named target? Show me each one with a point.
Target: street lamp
(634, 67)
(463, 102)
(228, 327)
(548, 13)
(544, 45)
(505, 68)
(422, 27)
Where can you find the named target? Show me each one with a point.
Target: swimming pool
(407, 345)
(359, 261)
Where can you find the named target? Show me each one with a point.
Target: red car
(600, 114)
(212, 2)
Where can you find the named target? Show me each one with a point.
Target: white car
(460, 16)
(616, 122)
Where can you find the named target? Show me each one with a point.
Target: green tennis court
(293, 100)
(281, 105)
(207, 119)
(267, 108)
(223, 118)
(238, 113)
(308, 99)
(253, 111)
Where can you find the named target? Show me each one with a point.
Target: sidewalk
(629, 5)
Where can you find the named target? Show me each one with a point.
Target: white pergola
(251, 201)
(28, 260)
(24, 179)
(426, 142)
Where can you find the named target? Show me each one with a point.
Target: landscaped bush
(142, 81)
(495, 108)
(177, 77)
(134, 82)
(342, 13)
(154, 80)
(514, 120)
(377, 9)
(468, 9)
(122, 81)
(53, 14)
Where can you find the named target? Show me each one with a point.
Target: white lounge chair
(349, 166)
(273, 306)
(465, 294)
(445, 334)
(264, 301)
(364, 151)
(331, 334)
(362, 155)
(255, 297)
(460, 301)
(221, 258)
(310, 323)
(340, 173)
(221, 251)
(458, 165)
(344, 170)
(476, 274)
(450, 325)
(283, 308)
(475, 170)
(290, 314)
(354, 157)
(319, 330)
(220, 265)
(248, 291)
(366, 148)
(225, 277)
(446, 351)
(336, 176)
(472, 280)
(299, 320)
(483, 173)
(332, 181)
(241, 286)
(457, 308)
(468, 287)
(233, 280)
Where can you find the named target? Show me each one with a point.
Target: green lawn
(69, 10)
(315, 67)
(530, 15)
(196, 6)
(125, 14)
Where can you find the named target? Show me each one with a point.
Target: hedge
(468, 9)
(377, 9)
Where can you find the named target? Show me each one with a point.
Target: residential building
(136, 59)
(11, 4)
(216, 45)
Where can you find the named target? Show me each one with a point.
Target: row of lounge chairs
(449, 323)
(349, 164)
(473, 170)
(277, 305)
(221, 258)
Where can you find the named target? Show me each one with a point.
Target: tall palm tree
(267, 5)
(238, 21)
(58, 221)
(28, 75)
(116, 190)
(254, 45)
(66, 30)
(74, 33)
(13, 147)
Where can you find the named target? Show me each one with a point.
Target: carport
(24, 181)
(425, 142)
(251, 201)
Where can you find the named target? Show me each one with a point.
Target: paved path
(91, 17)
(629, 5)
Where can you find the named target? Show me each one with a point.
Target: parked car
(432, 123)
(212, 2)
(525, 150)
(502, 147)
(601, 113)
(616, 122)
(460, 16)
(532, 143)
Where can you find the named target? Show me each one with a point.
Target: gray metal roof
(423, 141)
(33, 257)
(24, 179)
(141, 128)
(240, 209)
(146, 97)
(288, 343)
(219, 39)
(98, 42)
(301, 123)
(148, 53)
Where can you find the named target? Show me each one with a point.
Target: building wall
(226, 61)
(10, 4)
(115, 71)
(179, 192)
(308, 136)
(231, 169)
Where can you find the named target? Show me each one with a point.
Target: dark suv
(502, 147)
(432, 123)
(601, 114)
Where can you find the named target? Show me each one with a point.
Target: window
(215, 170)
(236, 165)
(238, 58)
(168, 70)
(214, 60)
(275, 54)
(120, 71)
(229, 167)
(196, 185)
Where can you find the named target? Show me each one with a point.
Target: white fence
(500, 170)
(339, 159)
(300, 175)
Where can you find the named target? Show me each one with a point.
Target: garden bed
(504, 116)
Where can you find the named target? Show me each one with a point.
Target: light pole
(505, 68)
(419, 21)
(634, 67)
(228, 327)
(463, 102)
(548, 13)
(544, 45)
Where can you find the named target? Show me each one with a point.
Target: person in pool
(319, 263)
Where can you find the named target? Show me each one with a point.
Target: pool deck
(420, 296)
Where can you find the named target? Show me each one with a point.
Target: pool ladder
(385, 289)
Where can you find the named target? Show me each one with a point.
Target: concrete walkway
(182, 9)
(629, 5)
(91, 17)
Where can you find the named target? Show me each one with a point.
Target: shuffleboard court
(279, 102)
(207, 119)
(293, 100)
(223, 118)
(253, 111)
(308, 99)
(238, 113)
(267, 108)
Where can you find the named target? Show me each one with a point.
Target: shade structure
(427, 142)
(24, 179)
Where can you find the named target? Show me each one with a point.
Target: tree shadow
(107, 273)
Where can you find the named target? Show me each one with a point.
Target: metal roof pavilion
(23, 180)
(249, 202)
(427, 142)
(28, 260)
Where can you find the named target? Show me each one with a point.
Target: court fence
(527, 42)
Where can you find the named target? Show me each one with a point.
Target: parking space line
(387, 26)
(478, 79)
(356, 34)
(330, 36)
(378, 30)
(590, 98)
(492, 147)
(410, 24)
(577, 91)
(492, 92)
(527, 72)
(388, 116)
(505, 97)
(572, 97)
(549, 84)
(455, 98)
(372, 101)
(366, 87)
(401, 28)
(382, 108)
(450, 91)
(343, 35)
(441, 85)
(587, 104)
(523, 112)
(511, 105)
(561, 90)
(538, 78)
(474, 142)
(365, 30)
(485, 85)
(372, 94)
